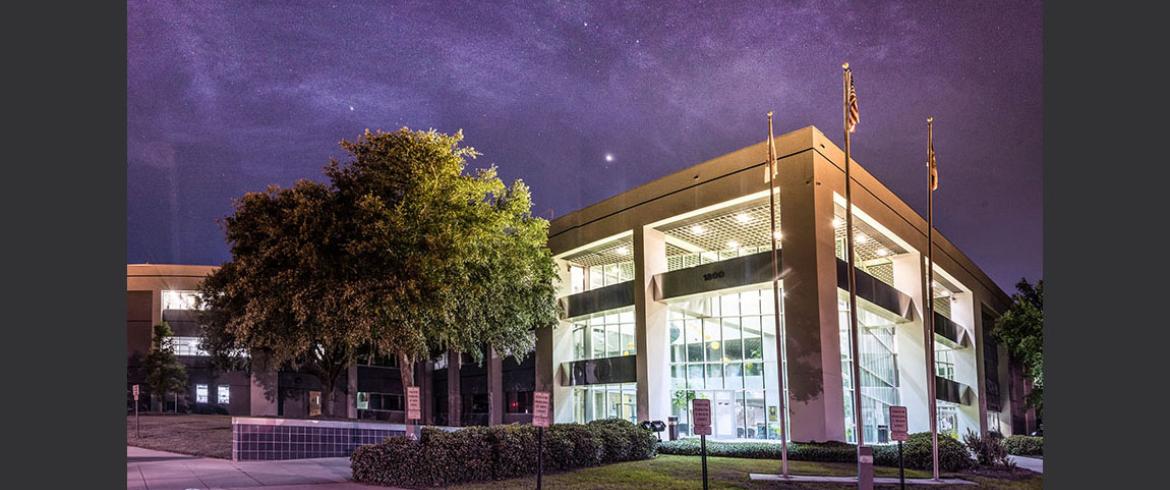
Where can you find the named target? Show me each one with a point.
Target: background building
(499, 390)
(667, 293)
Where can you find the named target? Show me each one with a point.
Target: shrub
(916, 451)
(952, 455)
(1024, 445)
(989, 451)
(443, 458)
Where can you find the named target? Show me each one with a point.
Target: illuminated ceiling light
(881, 252)
(732, 244)
(698, 229)
(859, 238)
(622, 250)
(838, 222)
(743, 218)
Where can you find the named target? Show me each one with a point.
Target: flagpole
(773, 173)
(858, 428)
(931, 179)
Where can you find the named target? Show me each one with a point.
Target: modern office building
(157, 293)
(498, 390)
(667, 295)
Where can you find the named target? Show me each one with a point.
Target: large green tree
(164, 373)
(404, 253)
(1021, 329)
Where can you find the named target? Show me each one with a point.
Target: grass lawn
(200, 435)
(679, 472)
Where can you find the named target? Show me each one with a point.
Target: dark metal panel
(606, 298)
(607, 370)
(877, 292)
(952, 334)
(725, 274)
(952, 391)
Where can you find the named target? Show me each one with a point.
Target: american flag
(854, 115)
(933, 166)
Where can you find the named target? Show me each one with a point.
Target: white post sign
(898, 429)
(413, 404)
(701, 413)
(540, 409)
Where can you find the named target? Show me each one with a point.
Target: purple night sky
(228, 97)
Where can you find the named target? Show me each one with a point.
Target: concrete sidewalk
(1029, 463)
(159, 470)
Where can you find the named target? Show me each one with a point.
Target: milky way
(583, 101)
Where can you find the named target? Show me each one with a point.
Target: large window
(187, 346)
(200, 393)
(723, 348)
(379, 401)
(224, 394)
(519, 401)
(610, 274)
(179, 300)
(606, 334)
(878, 367)
(611, 401)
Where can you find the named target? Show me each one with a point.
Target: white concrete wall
(651, 331)
(967, 361)
(909, 341)
(562, 351)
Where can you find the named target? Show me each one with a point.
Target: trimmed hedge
(952, 456)
(1024, 445)
(472, 454)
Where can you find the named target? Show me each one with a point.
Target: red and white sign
(413, 404)
(540, 409)
(135, 392)
(898, 427)
(701, 414)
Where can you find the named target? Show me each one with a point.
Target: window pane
(200, 393)
(224, 394)
(714, 376)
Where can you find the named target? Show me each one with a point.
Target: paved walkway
(1029, 463)
(159, 470)
(853, 480)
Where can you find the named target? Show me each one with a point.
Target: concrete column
(808, 269)
(263, 388)
(351, 389)
(495, 383)
(651, 335)
(426, 392)
(155, 310)
(554, 346)
(454, 393)
(909, 341)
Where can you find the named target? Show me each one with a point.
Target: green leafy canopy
(403, 253)
(1021, 329)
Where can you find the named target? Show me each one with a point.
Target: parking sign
(701, 413)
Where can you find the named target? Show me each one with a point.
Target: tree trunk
(326, 395)
(406, 371)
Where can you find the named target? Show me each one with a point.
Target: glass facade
(180, 300)
(596, 402)
(597, 336)
(878, 367)
(605, 334)
(610, 274)
(683, 261)
(723, 348)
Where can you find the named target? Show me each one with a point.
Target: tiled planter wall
(263, 438)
